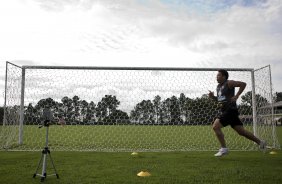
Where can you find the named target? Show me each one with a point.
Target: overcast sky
(149, 33)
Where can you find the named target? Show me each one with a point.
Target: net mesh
(128, 109)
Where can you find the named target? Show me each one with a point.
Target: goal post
(254, 103)
(129, 108)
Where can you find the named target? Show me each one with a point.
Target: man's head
(222, 76)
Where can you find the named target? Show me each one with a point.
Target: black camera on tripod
(47, 117)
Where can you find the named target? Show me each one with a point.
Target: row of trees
(173, 110)
(77, 111)
(278, 97)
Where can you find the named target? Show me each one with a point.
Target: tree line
(180, 110)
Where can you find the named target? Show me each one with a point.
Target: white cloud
(142, 33)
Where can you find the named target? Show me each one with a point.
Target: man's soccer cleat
(262, 145)
(221, 152)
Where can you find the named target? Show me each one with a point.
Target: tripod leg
(57, 175)
(44, 165)
(36, 172)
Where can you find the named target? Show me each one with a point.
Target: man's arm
(211, 95)
(240, 84)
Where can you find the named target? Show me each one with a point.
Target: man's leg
(219, 134)
(243, 132)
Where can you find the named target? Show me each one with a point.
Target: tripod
(45, 152)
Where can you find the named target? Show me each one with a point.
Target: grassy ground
(175, 167)
(165, 167)
(124, 137)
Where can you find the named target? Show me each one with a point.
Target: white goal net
(129, 109)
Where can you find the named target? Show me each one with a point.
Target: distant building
(277, 107)
(278, 113)
(265, 116)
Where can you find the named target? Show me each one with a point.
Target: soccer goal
(129, 109)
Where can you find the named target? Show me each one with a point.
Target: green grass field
(127, 138)
(165, 167)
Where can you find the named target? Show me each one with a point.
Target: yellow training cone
(134, 153)
(143, 173)
(273, 153)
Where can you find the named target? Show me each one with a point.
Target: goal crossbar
(131, 68)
